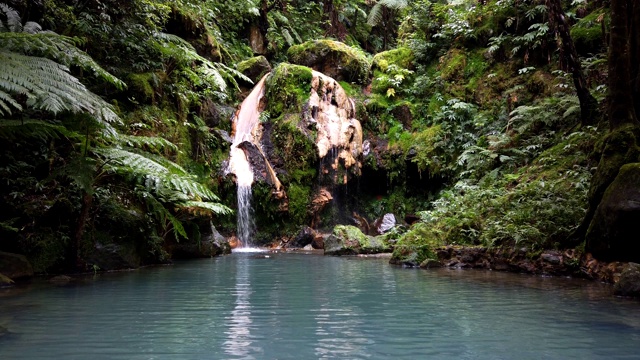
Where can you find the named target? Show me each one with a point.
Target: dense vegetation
(482, 115)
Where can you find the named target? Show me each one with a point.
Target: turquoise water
(302, 306)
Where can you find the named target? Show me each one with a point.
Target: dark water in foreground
(298, 306)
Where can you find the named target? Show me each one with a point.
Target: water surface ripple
(301, 306)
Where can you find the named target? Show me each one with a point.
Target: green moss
(402, 57)
(288, 88)
(254, 67)
(299, 201)
(334, 58)
(453, 64)
(587, 32)
(416, 245)
(143, 85)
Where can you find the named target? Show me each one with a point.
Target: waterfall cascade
(245, 124)
(338, 140)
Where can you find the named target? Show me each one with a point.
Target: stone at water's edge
(305, 237)
(629, 283)
(385, 223)
(613, 233)
(349, 240)
(110, 257)
(15, 266)
(333, 58)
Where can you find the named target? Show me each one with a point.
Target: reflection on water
(239, 322)
(301, 306)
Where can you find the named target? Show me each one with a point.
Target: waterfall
(245, 122)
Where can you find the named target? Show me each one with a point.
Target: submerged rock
(349, 240)
(15, 266)
(336, 59)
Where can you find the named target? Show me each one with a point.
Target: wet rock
(629, 282)
(385, 223)
(254, 68)
(430, 263)
(113, 257)
(349, 240)
(551, 258)
(15, 266)
(613, 232)
(318, 242)
(206, 248)
(333, 58)
(303, 238)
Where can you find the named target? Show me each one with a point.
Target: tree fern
(375, 15)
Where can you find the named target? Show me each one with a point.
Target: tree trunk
(75, 261)
(333, 26)
(621, 106)
(588, 104)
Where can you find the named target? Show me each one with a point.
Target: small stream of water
(300, 306)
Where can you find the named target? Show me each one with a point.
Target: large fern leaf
(375, 15)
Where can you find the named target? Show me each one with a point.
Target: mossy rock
(332, 58)
(254, 68)
(415, 246)
(15, 266)
(613, 233)
(288, 88)
(401, 57)
(349, 240)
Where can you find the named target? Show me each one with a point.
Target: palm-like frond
(62, 49)
(169, 181)
(48, 86)
(150, 143)
(375, 15)
(11, 20)
(29, 128)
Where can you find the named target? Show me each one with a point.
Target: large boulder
(613, 233)
(629, 283)
(349, 240)
(213, 244)
(332, 58)
(15, 266)
(109, 257)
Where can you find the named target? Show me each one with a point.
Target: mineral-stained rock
(15, 266)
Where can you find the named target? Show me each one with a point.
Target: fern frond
(13, 22)
(213, 207)
(155, 144)
(375, 15)
(19, 129)
(49, 86)
(61, 49)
